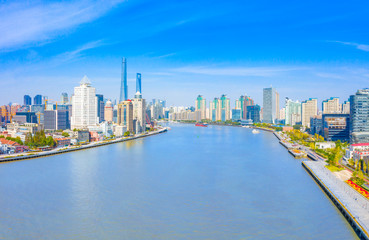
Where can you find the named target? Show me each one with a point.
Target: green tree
(65, 134)
(126, 134)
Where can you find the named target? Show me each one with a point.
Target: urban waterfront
(189, 183)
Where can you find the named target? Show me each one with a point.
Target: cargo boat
(201, 124)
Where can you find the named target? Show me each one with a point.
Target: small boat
(201, 124)
(255, 131)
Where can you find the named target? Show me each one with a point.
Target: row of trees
(39, 139)
(17, 139)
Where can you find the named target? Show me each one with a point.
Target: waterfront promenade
(351, 203)
(30, 155)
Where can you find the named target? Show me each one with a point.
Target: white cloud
(362, 47)
(24, 24)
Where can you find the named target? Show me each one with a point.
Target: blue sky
(185, 48)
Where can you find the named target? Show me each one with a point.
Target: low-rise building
(325, 145)
(62, 141)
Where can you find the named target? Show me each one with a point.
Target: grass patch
(334, 168)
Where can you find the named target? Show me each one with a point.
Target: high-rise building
(214, 107)
(359, 117)
(236, 115)
(27, 100)
(309, 109)
(220, 109)
(282, 114)
(108, 113)
(139, 113)
(225, 108)
(270, 105)
(200, 107)
(123, 86)
(100, 107)
(336, 127)
(331, 105)
(84, 105)
(125, 115)
(242, 104)
(37, 100)
(253, 113)
(138, 83)
(64, 98)
(293, 112)
(346, 107)
(56, 119)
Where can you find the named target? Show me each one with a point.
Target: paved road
(351, 199)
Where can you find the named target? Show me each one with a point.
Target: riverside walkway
(31, 155)
(352, 204)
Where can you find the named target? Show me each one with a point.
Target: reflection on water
(190, 183)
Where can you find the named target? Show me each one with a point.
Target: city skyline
(181, 50)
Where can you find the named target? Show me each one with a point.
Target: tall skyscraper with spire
(123, 86)
(138, 83)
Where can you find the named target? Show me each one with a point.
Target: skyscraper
(100, 107)
(292, 112)
(200, 106)
(37, 100)
(242, 104)
(138, 83)
(139, 113)
(346, 107)
(225, 108)
(309, 109)
(84, 105)
(108, 112)
(359, 117)
(123, 86)
(270, 105)
(27, 100)
(64, 98)
(253, 113)
(125, 115)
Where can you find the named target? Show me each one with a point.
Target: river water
(189, 183)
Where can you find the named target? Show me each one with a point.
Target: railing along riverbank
(352, 205)
(77, 148)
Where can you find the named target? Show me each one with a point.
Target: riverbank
(351, 204)
(28, 156)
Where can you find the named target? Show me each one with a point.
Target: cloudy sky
(185, 48)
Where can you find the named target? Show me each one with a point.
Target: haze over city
(185, 48)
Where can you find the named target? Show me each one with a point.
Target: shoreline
(83, 147)
(352, 210)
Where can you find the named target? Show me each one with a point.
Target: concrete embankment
(351, 204)
(27, 156)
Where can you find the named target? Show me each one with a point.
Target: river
(189, 183)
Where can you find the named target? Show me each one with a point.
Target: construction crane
(56, 103)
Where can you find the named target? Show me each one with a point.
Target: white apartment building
(84, 106)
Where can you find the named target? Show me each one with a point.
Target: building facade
(84, 106)
(293, 112)
(253, 113)
(27, 100)
(359, 117)
(270, 105)
(336, 127)
(309, 109)
(200, 107)
(108, 111)
(331, 105)
(125, 115)
(139, 113)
